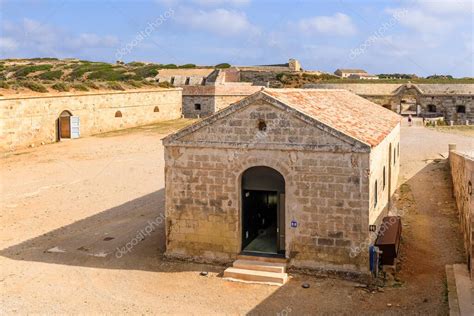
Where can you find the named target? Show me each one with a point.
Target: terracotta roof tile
(342, 110)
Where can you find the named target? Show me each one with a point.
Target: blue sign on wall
(294, 224)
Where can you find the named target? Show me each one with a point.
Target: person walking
(410, 120)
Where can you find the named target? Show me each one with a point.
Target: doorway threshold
(262, 254)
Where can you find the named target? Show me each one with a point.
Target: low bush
(115, 86)
(92, 85)
(187, 66)
(4, 84)
(25, 70)
(61, 87)
(222, 65)
(51, 75)
(80, 87)
(34, 86)
(165, 84)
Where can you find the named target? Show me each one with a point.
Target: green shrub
(23, 71)
(136, 84)
(109, 75)
(80, 87)
(81, 69)
(187, 66)
(115, 86)
(34, 86)
(135, 64)
(4, 84)
(222, 66)
(91, 84)
(165, 84)
(61, 87)
(51, 75)
(146, 71)
(168, 66)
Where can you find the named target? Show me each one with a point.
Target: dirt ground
(68, 210)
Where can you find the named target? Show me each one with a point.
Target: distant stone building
(346, 73)
(453, 102)
(202, 101)
(293, 173)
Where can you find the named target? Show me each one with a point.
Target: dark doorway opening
(263, 211)
(260, 221)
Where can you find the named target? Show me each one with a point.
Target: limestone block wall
(384, 171)
(32, 120)
(462, 173)
(213, 98)
(327, 190)
(448, 105)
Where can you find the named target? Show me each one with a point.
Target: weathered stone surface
(32, 120)
(328, 188)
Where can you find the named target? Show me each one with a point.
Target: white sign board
(75, 126)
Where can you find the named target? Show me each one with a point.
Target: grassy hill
(51, 74)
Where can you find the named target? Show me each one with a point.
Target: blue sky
(410, 36)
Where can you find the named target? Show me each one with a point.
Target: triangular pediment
(239, 125)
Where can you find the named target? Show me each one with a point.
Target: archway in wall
(64, 125)
(263, 211)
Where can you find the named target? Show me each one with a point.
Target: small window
(118, 114)
(384, 177)
(156, 109)
(187, 81)
(376, 195)
(432, 108)
(461, 109)
(262, 126)
(197, 106)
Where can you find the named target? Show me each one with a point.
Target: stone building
(202, 101)
(453, 102)
(34, 119)
(346, 73)
(298, 174)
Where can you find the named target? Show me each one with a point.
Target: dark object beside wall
(388, 239)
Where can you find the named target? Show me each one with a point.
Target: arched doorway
(64, 125)
(263, 211)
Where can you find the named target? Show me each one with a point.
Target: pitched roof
(357, 71)
(346, 115)
(392, 88)
(341, 110)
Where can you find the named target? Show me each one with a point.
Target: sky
(424, 37)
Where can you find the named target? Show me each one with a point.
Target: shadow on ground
(130, 236)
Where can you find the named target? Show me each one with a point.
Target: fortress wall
(26, 121)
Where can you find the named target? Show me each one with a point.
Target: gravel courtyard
(82, 232)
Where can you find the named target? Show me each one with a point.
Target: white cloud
(30, 37)
(444, 7)
(220, 21)
(420, 21)
(7, 44)
(338, 24)
(204, 2)
(222, 2)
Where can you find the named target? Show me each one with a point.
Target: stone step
(262, 259)
(254, 276)
(276, 267)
